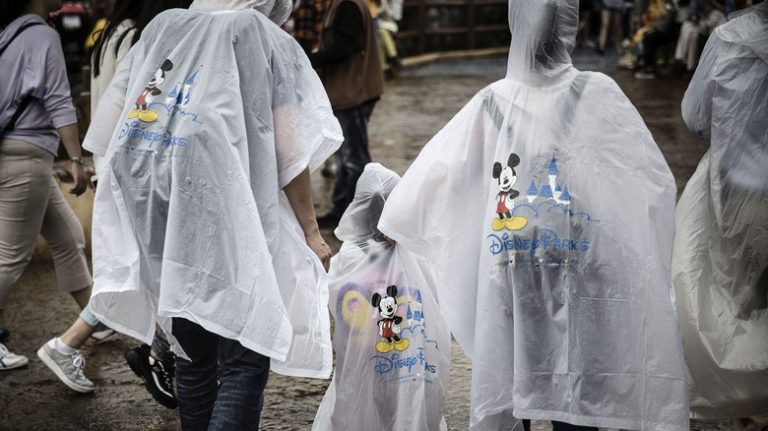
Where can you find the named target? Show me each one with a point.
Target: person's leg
(585, 17)
(160, 345)
(562, 426)
(682, 41)
(77, 334)
(196, 379)
(82, 297)
(390, 48)
(352, 156)
(64, 234)
(692, 50)
(339, 186)
(615, 31)
(367, 111)
(626, 24)
(243, 374)
(24, 173)
(651, 44)
(605, 26)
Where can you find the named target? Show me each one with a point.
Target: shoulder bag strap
(18, 32)
(27, 99)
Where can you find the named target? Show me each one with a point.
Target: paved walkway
(413, 109)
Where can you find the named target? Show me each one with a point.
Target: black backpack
(27, 99)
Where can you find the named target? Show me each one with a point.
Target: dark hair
(10, 10)
(141, 12)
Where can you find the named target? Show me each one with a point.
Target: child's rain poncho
(720, 265)
(393, 348)
(548, 211)
(211, 113)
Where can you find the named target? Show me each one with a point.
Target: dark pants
(353, 154)
(222, 388)
(560, 426)
(651, 44)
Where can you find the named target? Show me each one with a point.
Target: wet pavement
(414, 108)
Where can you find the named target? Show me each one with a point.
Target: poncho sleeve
(306, 131)
(437, 198)
(437, 209)
(697, 102)
(105, 120)
(359, 221)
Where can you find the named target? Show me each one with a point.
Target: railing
(449, 25)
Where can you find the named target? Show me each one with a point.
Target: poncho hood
(277, 11)
(361, 218)
(543, 36)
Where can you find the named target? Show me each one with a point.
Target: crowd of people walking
(650, 33)
(539, 227)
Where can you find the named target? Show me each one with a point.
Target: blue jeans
(696, 6)
(87, 315)
(560, 426)
(222, 387)
(353, 154)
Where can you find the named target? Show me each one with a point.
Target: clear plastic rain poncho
(393, 347)
(547, 211)
(720, 265)
(211, 113)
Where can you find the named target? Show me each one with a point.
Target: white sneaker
(68, 368)
(645, 74)
(10, 360)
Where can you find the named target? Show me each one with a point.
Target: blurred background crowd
(647, 33)
(650, 37)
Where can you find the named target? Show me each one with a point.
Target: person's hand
(90, 171)
(80, 178)
(316, 242)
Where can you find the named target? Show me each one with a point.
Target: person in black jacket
(349, 65)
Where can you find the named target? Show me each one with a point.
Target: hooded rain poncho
(208, 117)
(393, 347)
(547, 210)
(720, 265)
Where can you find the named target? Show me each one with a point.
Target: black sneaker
(157, 375)
(4, 335)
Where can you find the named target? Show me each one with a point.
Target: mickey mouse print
(506, 178)
(141, 106)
